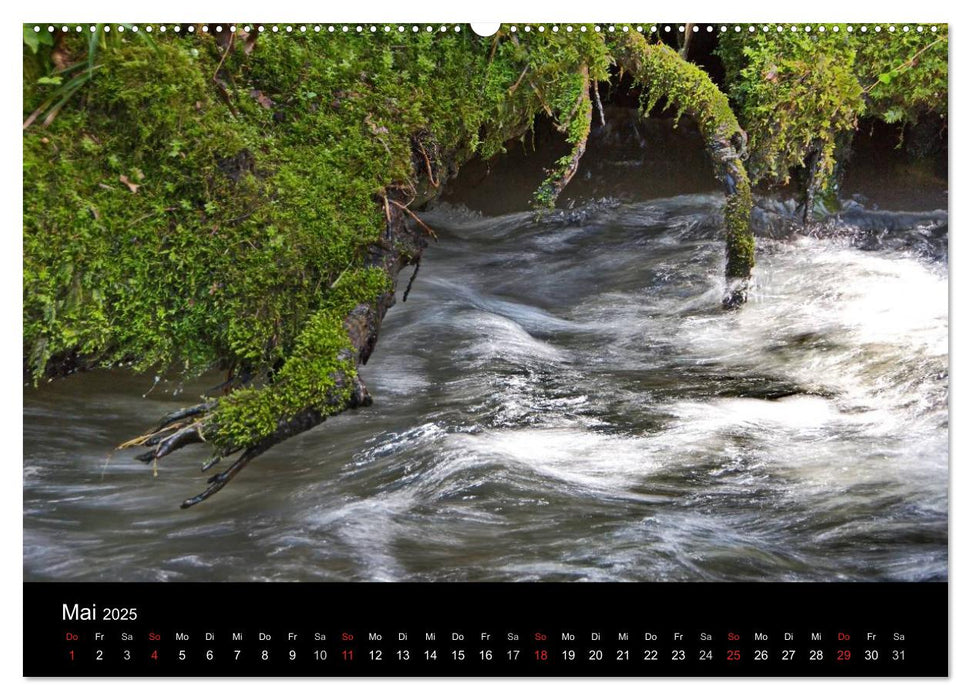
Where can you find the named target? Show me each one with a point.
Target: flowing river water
(560, 398)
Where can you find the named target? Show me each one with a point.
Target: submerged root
(736, 294)
(217, 482)
(178, 432)
(189, 412)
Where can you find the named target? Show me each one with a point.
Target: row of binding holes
(287, 29)
(360, 29)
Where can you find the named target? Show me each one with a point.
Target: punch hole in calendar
(437, 349)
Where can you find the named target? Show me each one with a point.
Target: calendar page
(514, 349)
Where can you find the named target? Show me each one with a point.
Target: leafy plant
(800, 94)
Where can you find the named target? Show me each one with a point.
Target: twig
(414, 216)
(495, 43)
(908, 63)
(145, 439)
(412, 279)
(515, 86)
(339, 277)
(542, 100)
(688, 33)
(224, 94)
(184, 413)
(600, 107)
(248, 214)
(428, 165)
(211, 463)
(229, 47)
(219, 480)
(150, 215)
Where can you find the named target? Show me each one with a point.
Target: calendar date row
(461, 654)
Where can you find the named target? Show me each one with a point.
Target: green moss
(179, 219)
(664, 75)
(573, 112)
(321, 354)
(740, 242)
(799, 93)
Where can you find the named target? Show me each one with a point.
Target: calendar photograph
(443, 303)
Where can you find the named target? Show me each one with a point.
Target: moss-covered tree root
(578, 131)
(663, 74)
(320, 380)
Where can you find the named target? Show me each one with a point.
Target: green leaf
(93, 40)
(31, 38)
(893, 115)
(884, 78)
(35, 40)
(49, 80)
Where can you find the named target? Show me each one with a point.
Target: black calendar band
(486, 629)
